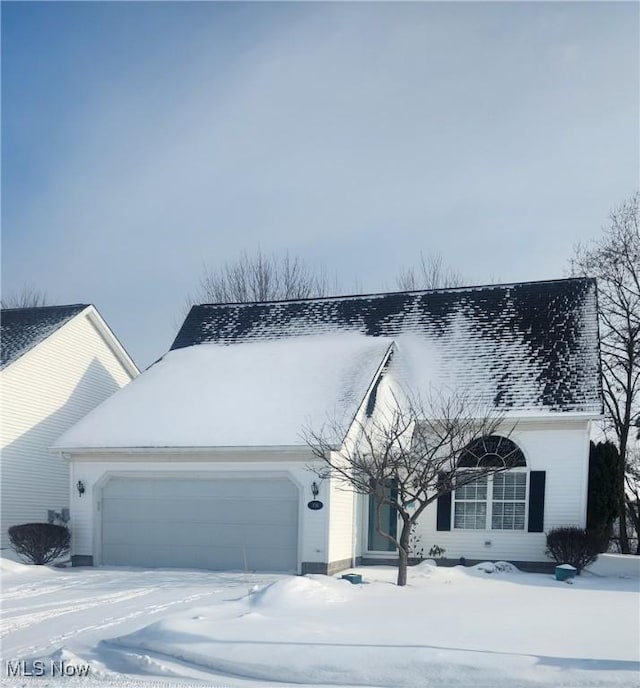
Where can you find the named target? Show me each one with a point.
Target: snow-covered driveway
(88, 604)
(45, 610)
(449, 627)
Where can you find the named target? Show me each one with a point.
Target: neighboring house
(201, 461)
(58, 363)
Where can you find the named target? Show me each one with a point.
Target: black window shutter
(536, 501)
(443, 520)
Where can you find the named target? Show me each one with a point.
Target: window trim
(489, 506)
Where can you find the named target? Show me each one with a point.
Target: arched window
(493, 450)
(497, 501)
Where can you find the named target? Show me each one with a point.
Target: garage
(221, 524)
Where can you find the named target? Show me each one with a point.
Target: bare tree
(27, 297)
(431, 273)
(614, 260)
(260, 277)
(408, 455)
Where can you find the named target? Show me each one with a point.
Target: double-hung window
(497, 502)
(470, 511)
(508, 501)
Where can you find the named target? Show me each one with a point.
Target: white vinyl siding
(44, 393)
(558, 446)
(340, 512)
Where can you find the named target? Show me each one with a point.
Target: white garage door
(222, 524)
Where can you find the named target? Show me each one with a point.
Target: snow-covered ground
(449, 627)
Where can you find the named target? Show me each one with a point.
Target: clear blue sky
(141, 140)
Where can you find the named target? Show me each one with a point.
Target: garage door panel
(218, 524)
(198, 535)
(229, 559)
(222, 511)
(191, 489)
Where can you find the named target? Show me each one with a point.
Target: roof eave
(231, 449)
(112, 341)
(553, 415)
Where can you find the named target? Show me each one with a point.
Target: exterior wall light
(80, 488)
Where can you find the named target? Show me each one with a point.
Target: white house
(201, 461)
(58, 363)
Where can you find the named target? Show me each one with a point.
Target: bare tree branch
(260, 277)
(614, 260)
(28, 297)
(430, 273)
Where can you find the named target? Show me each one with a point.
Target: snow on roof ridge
(40, 308)
(381, 294)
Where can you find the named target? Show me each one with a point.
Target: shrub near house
(575, 546)
(40, 543)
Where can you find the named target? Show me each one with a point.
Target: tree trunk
(402, 567)
(622, 501)
(403, 552)
(624, 440)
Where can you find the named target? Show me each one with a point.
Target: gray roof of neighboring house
(531, 345)
(23, 328)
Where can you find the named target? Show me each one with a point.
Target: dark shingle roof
(535, 342)
(23, 328)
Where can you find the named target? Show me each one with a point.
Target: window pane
(498, 486)
(518, 518)
(473, 491)
(497, 515)
(470, 515)
(481, 515)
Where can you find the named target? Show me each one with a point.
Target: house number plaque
(315, 505)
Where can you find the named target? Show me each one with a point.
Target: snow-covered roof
(527, 347)
(23, 328)
(258, 394)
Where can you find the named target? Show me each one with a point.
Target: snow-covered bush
(40, 543)
(575, 546)
(495, 567)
